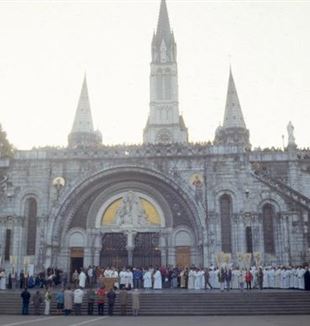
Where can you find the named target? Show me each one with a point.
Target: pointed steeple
(164, 124)
(233, 117)
(234, 131)
(163, 26)
(163, 43)
(83, 121)
(82, 133)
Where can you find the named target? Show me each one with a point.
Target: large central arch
(80, 207)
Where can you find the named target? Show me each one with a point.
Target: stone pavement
(154, 321)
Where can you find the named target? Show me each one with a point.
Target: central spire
(165, 124)
(163, 26)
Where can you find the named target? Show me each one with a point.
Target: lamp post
(58, 184)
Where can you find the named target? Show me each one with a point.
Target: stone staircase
(282, 188)
(199, 303)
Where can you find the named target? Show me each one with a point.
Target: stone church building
(164, 202)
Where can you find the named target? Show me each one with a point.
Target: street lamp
(58, 184)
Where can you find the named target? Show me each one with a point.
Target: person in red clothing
(100, 300)
(248, 279)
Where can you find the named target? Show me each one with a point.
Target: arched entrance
(136, 203)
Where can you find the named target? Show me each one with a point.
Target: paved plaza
(155, 321)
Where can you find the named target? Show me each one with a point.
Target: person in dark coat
(21, 280)
(111, 301)
(25, 295)
(91, 297)
(307, 279)
(37, 300)
(260, 278)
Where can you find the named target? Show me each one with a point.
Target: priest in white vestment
(147, 280)
(157, 280)
(82, 279)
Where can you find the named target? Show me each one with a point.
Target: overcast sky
(46, 46)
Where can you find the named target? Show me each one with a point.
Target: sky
(47, 46)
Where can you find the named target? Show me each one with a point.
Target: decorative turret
(82, 133)
(165, 124)
(233, 131)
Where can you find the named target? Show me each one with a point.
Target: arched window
(31, 220)
(226, 212)
(268, 218)
(249, 239)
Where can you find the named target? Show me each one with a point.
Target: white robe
(82, 280)
(191, 280)
(301, 280)
(271, 279)
(202, 279)
(123, 277)
(277, 278)
(265, 279)
(157, 280)
(234, 279)
(3, 282)
(197, 281)
(147, 278)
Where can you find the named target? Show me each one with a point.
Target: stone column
(97, 256)
(130, 246)
(163, 249)
(171, 256)
(171, 259)
(130, 254)
(194, 256)
(205, 258)
(87, 257)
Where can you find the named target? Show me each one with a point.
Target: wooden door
(77, 259)
(183, 256)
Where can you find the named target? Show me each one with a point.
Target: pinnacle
(233, 114)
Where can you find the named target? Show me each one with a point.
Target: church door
(146, 251)
(114, 252)
(77, 259)
(183, 256)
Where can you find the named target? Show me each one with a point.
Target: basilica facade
(164, 202)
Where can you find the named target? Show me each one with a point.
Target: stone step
(191, 303)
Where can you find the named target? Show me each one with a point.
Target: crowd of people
(97, 285)
(224, 277)
(71, 300)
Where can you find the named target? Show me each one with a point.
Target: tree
(6, 149)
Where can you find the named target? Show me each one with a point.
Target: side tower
(233, 131)
(165, 124)
(82, 133)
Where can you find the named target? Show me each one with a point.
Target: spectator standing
(135, 302)
(60, 299)
(91, 297)
(37, 300)
(68, 295)
(78, 300)
(47, 301)
(123, 299)
(25, 295)
(111, 301)
(248, 280)
(100, 300)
